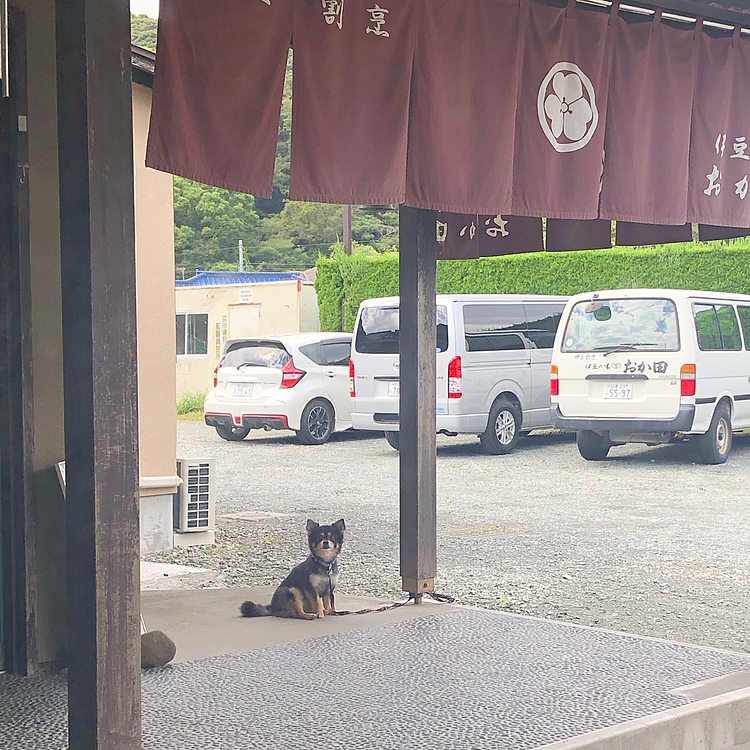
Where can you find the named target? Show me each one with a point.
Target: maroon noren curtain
(457, 236)
(463, 104)
(352, 72)
(719, 179)
(562, 100)
(573, 234)
(708, 233)
(217, 91)
(648, 124)
(508, 235)
(632, 234)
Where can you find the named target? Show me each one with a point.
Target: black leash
(443, 598)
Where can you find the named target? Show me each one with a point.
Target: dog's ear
(311, 526)
(340, 525)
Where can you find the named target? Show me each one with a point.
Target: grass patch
(192, 416)
(190, 402)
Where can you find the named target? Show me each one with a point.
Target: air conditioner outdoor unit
(195, 499)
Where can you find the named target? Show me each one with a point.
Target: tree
(209, 222)
(143, 31)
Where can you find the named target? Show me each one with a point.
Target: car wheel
(592, 446)
(714, 445)
(503, 428)
(316, 423)
(392, 437)
(234, 434)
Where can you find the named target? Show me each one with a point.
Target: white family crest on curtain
(567, 107)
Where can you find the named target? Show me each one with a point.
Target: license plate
(618, 390)
(394, 389)
(243, 389)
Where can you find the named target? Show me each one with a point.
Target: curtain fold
(648, 124)
(719, 178)
(463, 105)
(352, 74)
(560, 116)
(217, 91)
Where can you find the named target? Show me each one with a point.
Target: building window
(192, 333)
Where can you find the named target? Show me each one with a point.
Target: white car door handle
(331, 374)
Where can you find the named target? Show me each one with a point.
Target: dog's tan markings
(321, 610)
(328, 605)
(298, 607)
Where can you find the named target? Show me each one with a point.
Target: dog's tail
(251, 609)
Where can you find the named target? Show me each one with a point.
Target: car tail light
(687, 380)
(554, 381)
(290, 375)
(352, 389)
(216, 372)
(454, 378)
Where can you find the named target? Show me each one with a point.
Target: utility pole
(241, 264)
(348, 230)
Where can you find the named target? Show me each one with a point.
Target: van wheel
(316, 423)
(233, 434)
(392, 438)
(592, 446)
(714, 445)
(503, 428)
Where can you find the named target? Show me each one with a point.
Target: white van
(493, 359)
(651, 365)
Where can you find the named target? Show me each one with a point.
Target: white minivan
(493, 359)
(652, 365)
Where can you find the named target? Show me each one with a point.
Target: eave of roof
(142, 65)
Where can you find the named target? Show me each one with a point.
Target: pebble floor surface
(468, 679)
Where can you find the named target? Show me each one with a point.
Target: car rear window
(378, 330)
(609, 325)
(256, 354)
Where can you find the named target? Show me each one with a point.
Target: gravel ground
(648, 542)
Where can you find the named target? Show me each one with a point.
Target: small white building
(214, 306)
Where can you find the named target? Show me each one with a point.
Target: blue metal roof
(224, 278)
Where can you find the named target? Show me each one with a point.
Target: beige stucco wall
(276, 308)
(154, 250)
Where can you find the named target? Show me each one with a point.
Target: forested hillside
(277, 234)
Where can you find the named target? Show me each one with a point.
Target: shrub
(717, 266)
(189, 402)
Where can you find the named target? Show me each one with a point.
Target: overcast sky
(149, 7)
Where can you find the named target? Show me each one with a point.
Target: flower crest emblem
(567, 107)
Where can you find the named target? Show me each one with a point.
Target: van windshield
(622, 325)
(378, 330)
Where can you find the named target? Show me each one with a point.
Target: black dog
(310, 583)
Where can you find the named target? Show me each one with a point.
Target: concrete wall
(242, 310)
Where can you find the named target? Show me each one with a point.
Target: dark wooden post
(17, 542)
(97, 238)
(417, 444)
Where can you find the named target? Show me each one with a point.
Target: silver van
(493, 360)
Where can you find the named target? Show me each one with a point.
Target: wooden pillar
(97, 238)
(417, 444)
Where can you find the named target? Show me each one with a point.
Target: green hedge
(718, 266)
